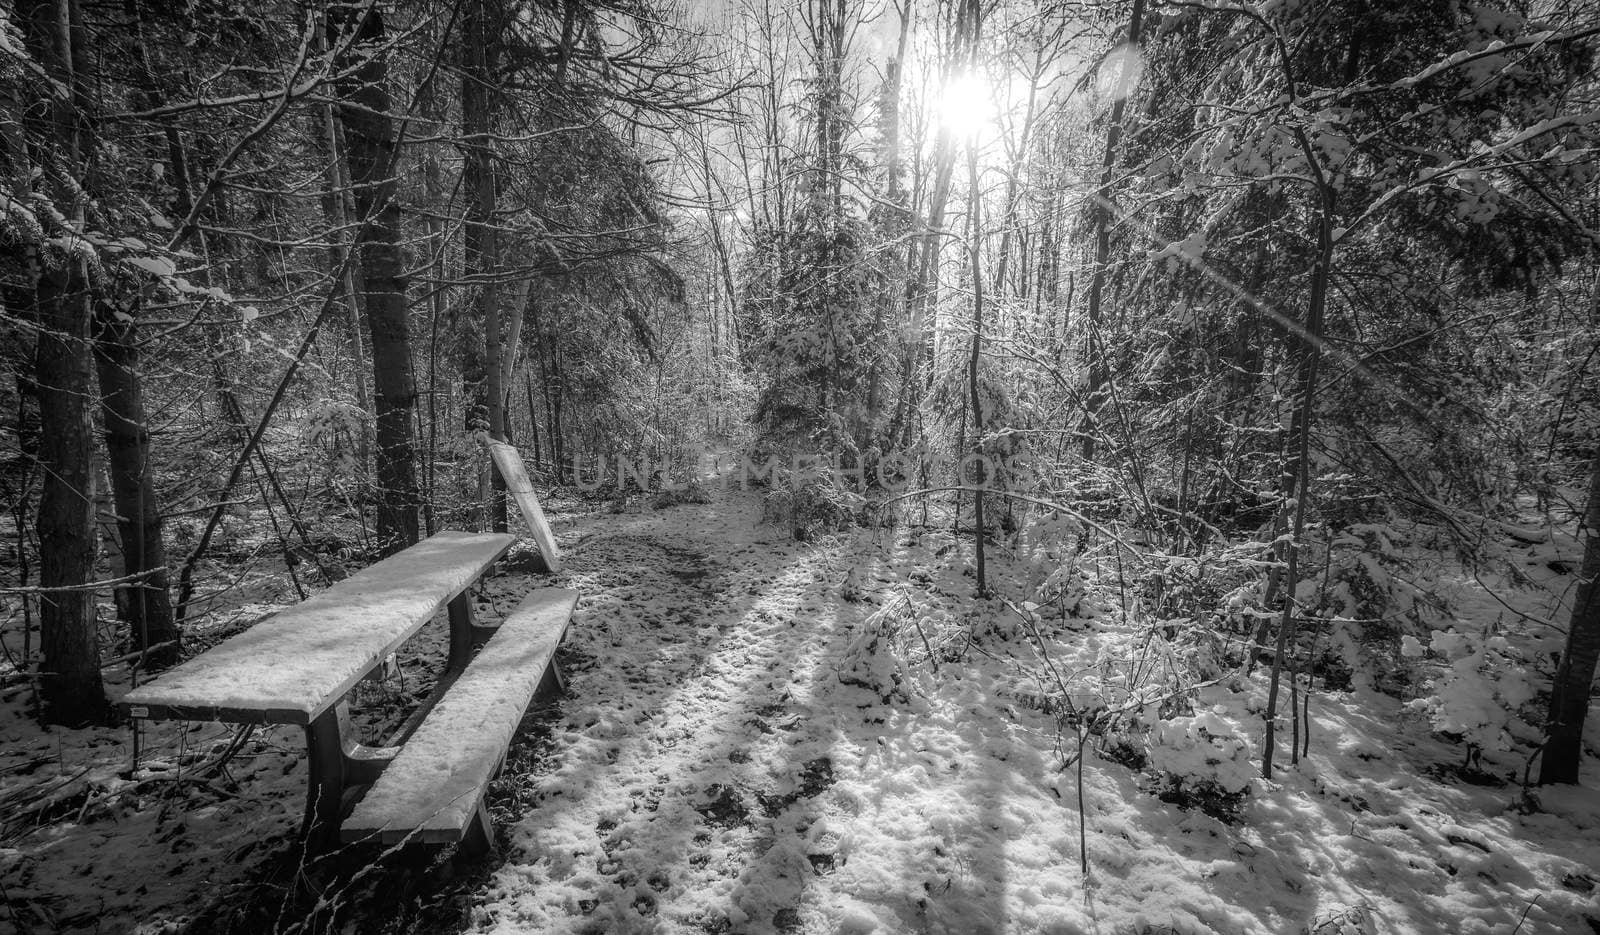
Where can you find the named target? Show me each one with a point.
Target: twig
(1526, 909)
(130, 657)
(1083, 834)
(925, 644)
(1077, 725)
(86, 586)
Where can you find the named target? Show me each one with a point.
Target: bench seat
(433, 790)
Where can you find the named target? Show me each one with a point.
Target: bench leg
(552, 684)
(460, 633)
(480, 834)
(325, 785)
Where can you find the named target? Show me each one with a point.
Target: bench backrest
(508, 461)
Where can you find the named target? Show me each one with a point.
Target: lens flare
(1119, 74)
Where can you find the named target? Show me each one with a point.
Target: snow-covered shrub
(874, 658)
(1479, 688)
(1065, 592)
(1059, 587)
(1203, 761)
(458, 470)
(329, 432)
(1189, 585)
(691, 491)
(1049, 537)
(1375, 595)
(1204, 651)
(1361, 593)
(809, 506)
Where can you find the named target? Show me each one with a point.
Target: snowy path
(691, 770)
(712, 773)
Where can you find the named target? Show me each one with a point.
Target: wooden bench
(298, 666)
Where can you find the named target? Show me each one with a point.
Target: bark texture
(70, 677)
(1569, 697)
(370, 140)
(146, 604)
(70, 685)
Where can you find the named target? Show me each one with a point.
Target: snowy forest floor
(745, 747)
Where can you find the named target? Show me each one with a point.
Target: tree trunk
(1100, 210)
(72, 691)
(480, 370)
(146, 603)
(1569, 696)
(552, 424)
(979, 529)
(495, 355)
(70, 674)
(371, 143)
(1307, 351)
(554, 389)
(478, 230)
(338, 211)
(922, 261)
(533, 420)
(511, 343)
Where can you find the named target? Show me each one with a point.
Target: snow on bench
(301, 661)
(434, 788)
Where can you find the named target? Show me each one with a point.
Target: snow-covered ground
(720, 767)
(759, 737)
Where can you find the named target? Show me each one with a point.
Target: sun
(967, 106)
